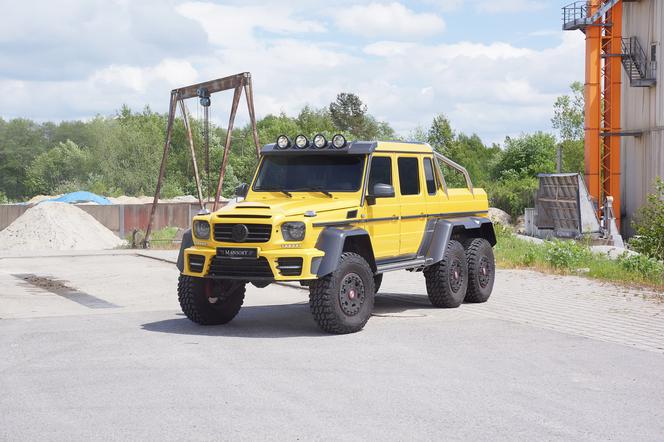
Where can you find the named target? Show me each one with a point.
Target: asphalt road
(109, 356)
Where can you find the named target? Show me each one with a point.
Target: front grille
(241, 268)
(257, 232)
(290, 266)
(196, 263)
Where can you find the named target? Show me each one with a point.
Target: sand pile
(57, 226)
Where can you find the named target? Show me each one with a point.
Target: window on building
(409, 176)
(653, 52)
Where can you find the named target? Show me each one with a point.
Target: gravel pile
(57, 226)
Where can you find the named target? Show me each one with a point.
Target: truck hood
(295, 206)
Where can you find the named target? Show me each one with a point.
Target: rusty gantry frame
(203, 91)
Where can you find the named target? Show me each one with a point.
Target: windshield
(331, 173)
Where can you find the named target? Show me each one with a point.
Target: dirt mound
(57, 226)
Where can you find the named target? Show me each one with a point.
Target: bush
(513, 194)
(3, 198)
(649, 225)
(643, 265)
(566, 255)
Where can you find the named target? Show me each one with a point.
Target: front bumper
(270, 265)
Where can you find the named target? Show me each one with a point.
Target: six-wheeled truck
(335, 216)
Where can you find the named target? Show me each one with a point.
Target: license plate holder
(237, 252)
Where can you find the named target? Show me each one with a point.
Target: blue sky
(493, 66)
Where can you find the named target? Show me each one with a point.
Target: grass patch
(159, 239)
(571, 257)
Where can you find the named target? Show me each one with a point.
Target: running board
(400, 265)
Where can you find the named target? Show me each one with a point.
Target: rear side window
(429, 176)
(381, 172)
(409, 176)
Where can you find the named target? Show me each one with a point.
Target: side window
(409, 176)
(429, 176)
(381, 172)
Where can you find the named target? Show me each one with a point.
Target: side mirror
(380, 190)
(242, 190)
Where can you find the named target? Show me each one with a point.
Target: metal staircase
(640, 70)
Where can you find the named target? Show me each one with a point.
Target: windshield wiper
(269, 189)
(313, 189)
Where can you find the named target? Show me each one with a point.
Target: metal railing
(458, 167)
(636, 61)
(575, 11)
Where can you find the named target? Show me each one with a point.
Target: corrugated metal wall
(642, 109)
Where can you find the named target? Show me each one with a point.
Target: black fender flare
(444, 228)
(187, 241)
(331, 241)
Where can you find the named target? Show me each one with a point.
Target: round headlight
(338, 141)
(301, 142)
(202, 229)
(320, 141)
(283, 142)
(293, 231)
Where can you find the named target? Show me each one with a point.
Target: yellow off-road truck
(335, 216)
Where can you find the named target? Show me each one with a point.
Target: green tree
(348, 113)
(65, 163)
(526, 156)
(21, 140)
(568, 120)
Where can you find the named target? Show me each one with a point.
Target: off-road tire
(481, 270)
(378, 280)
(325, 296)
(443, 288)
(196, 306)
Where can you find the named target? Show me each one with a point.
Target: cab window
(409, 176)
(381, 172)
(429, 176)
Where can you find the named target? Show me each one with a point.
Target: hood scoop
(235, 215)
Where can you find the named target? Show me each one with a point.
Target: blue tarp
(82, 197)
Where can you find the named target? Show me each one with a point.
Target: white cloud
(236, 25)
(392, 19)
(499, 6)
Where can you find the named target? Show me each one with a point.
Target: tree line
(120, 154)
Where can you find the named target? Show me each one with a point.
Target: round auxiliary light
(301, 142)
(320, 141)
(283, 142)
(339, 141)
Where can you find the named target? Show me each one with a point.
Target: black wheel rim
(456, 275)
(484, 272)
(351, 294)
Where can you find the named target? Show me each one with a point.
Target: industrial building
(624, 100)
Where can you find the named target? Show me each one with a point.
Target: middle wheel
(342, 301)
(447, 280)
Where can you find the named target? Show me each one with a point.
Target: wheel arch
(187, 241)
(335, 241)
(459, 229)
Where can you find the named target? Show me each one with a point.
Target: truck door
(413, 204)
(383, 213)
(435, 194)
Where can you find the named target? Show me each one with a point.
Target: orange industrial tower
(601, 21)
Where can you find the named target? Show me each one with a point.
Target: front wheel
(210, 301)
(342, 301)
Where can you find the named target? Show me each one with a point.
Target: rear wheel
(210, 301)
(342, 301)
(447, 280)
(481, 270)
